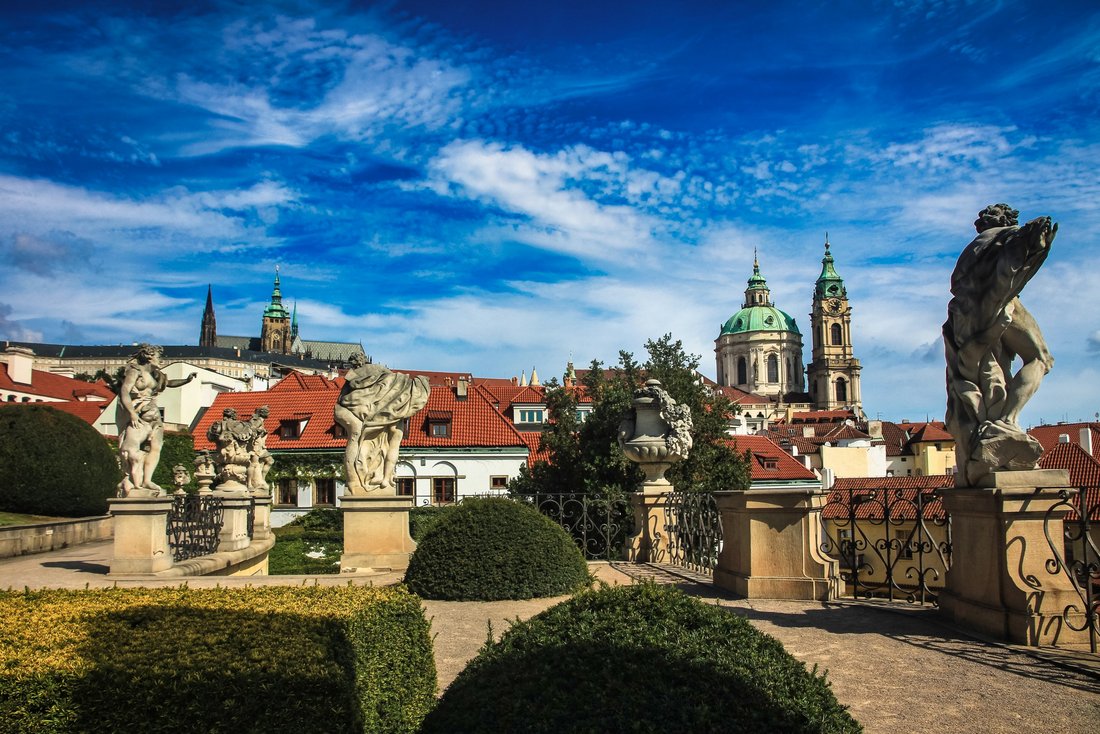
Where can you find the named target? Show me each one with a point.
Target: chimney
(460, 388)
(1086, 440)
(20, 362)
(807, 431)
(1064, 438)
(874, 429)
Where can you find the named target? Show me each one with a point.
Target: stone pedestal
(649, 543)
(141, 535)
(999, 583)
(234, 534)
(376, 533)
(772, 545)
(261, 522)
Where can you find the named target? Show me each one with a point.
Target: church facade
(759, 348)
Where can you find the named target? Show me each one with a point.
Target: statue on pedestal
(204, 471)
(371, 406)
(987, 328)
(260, 460)
(232, 438)
(140, 428)
(656, 433)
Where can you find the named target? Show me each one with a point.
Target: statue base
(999, 584)
(376, 533)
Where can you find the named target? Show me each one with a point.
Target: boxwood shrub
(423, 519)
(489, 549)
(53, 463)
(639, 659)
(301, 659)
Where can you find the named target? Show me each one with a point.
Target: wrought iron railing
(251, 519)
(1077, 556)
(692, 531)
(598, 525)
(891, 543)
(194, 523)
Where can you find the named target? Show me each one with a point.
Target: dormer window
(531, 415)
(439, 423)
(293, 427)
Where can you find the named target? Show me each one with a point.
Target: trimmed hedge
(301, 659)
(53, 463)
(639, 659)
(423, 519)
(487, 549)
(178, 448)
(319, 532)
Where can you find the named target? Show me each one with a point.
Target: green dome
(759, 318)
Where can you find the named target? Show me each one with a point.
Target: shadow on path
(82, 566)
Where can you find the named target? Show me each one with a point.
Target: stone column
(376, 533)
(261, 522)
(234, 534)
(772, 545)
(141, 535)
(649, 543)
(999, 583)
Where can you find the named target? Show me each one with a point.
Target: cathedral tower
(834, 372)
(208, 335)
(275, 332)
(759, 349)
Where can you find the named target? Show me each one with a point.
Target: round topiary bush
(53, 463)
(490, 549)
(640, 659)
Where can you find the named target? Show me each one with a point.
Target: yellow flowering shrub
(301, 659)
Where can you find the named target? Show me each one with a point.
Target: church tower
(208, 336)
(759, 349)
(834, 372)
(275, 332)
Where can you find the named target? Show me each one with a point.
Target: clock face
(833, 305)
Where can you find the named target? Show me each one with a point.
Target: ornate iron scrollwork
(1078, 557)
(693, 529)
(892, 543)
(194, 524)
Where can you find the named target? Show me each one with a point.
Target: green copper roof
(759, 318)
(829, 284)
(756, 281)
(276, 309)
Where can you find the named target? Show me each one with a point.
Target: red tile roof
(1048, 435)
(297, 381)
(740, 397)
(87, 411)
(56, 387)
(872, 497)
(474, 421)
(767, 461)
(1084, 470)
(822, 416)
(927, 432)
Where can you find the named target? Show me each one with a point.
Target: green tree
(585, 456)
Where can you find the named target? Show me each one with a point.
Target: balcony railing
(693, 531)
(194, 523)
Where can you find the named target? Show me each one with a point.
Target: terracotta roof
(871, 497)
(930, 431)
(739, 396)
(87, 411)
(474, 421)
(822, 416)
(843, 432)
(1084, 470)
(298, 381)
(895, 437)
(1048, 435)
(56, 387)
(769, 462)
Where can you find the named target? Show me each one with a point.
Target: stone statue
(233, 438)
(180, 477)
(140, 428)
(204, 471)
(259, 458)
(987, 328)
(371, 406)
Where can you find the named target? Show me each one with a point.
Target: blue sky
(495, 186)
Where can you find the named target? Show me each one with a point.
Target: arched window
(836, 334)
(841, 390)
(790, 370)
(742, 371)
(773, 368)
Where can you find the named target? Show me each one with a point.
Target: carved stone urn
(656, 434)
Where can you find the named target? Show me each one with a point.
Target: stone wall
(19, 540)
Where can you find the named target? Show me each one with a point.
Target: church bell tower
(275, 332)
(834, 372)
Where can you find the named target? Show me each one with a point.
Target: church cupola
(758, 293)
(829, 284)
(833, 374)
(275, 332)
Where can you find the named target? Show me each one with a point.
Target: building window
(530, 416)
(742, 371)
(406, 486)
(439, 429)
(841, 390)
(288, 492)
(443, 490)
(835, 332)
(498, 482)
(324, 491)
(290, 429)
(773, 368)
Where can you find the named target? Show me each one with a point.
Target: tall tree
(585, 456)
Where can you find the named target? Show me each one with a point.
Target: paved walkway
(897, 668)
